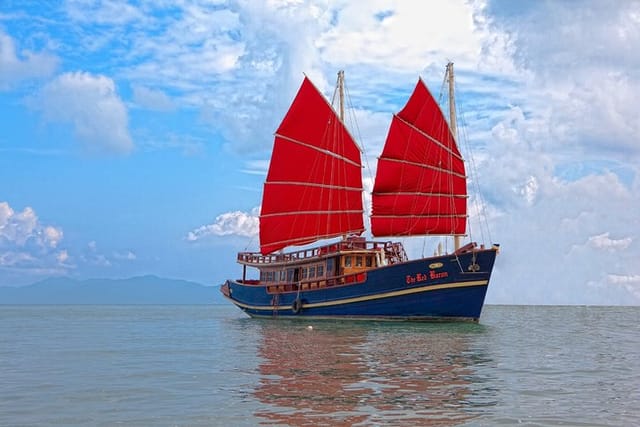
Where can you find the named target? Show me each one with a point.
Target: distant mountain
(135, 290)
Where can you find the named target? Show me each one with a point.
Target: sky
(135, 136)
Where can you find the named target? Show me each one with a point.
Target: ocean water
(212, 366)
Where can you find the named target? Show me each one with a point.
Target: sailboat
(313, 191)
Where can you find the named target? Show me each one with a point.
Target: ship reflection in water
(353, 373)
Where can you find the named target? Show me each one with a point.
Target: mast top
(452, 101)
(341, 91)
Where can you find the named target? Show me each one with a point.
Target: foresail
(314, 184)
(420, 186)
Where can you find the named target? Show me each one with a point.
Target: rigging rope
(479, 201)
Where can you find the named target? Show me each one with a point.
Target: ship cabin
(342, 263)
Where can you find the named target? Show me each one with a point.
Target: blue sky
(134, 136)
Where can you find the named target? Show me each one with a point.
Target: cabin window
(312, 272)
(369, 261)
(320, 271)
(304, 272)
(283, 275)
(263, 276)
(290, 275)
(358, 261)
(330, 269)
(347, 261)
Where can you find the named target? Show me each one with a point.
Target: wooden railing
(310, 285)
(394, 252)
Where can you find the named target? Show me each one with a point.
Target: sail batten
(311, 184)
(313, 188)
(418, 193)
(322, 212)
(426, 166)
(420, 186)
(431, 138)
(424, 216)
(319, 149)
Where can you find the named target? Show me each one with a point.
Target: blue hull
(445, 287)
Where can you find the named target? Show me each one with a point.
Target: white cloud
(187, 144)
(242, 62)
(602, 241)
(256, 167)
(16, 67)
(582, 63)
(109, 12)
(31, 250)
(529, 189)
(92, 105)
(126, 256)
(553, 248)
(28, 247)
(15, 259)
(152, 99)
(52, 235)
(406, 36)
(630, 283)
(93, 257)
(230, 223)
(561, 166)
(62, 256)
(189, 49)
(21, 229)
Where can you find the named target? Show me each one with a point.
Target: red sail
(314, 185)
(420, 185)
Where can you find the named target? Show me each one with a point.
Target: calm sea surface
(211, 366)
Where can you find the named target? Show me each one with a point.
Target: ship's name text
(420, 277)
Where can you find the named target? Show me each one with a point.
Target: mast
(341, 91)
(341, 108)
(452, 124)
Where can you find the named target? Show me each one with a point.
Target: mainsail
(420, 186)
(314, 184)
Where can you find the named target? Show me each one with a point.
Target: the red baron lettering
(420, 277)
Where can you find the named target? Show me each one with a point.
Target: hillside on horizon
(147, 289)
